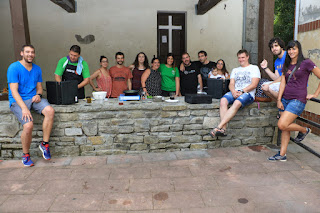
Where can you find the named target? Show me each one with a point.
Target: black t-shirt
(189, 79)
(204, 70)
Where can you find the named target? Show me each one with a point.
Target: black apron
(70, 74)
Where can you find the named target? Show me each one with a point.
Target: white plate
(172, 101)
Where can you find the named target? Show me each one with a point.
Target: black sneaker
(301, 135)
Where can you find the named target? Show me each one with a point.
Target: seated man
(243, 83)
(25, 93)
(190, 77)
(121, 76)
(73, 67)
(271, 88)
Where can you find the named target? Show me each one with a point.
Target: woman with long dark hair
(293, 95)
(170, 81)
(102, 77)
(140, 64)
(151, 79)
(222, 70)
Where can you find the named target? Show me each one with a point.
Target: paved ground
(219, 180)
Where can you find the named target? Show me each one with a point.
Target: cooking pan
(131, 92)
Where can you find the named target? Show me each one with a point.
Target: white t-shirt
(216, 76)
(243, 77)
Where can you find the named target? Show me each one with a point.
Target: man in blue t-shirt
(25, 93)
(271, 88)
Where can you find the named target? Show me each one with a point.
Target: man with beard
(271, 88)
(243, 83)
(25, 93)
(190, 77)
(121, 76)
(73, 67)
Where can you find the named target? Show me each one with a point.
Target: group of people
(288, 88)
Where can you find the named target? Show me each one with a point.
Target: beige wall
(121, 25)
(310, 42)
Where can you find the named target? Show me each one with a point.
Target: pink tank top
(105, 83)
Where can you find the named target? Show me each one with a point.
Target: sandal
(213, 133)
(221, 132)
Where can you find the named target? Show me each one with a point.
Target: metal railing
(299, 143)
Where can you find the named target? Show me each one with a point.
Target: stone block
(85, 148)
(164, 121)
(103, 152)
(127, 115)
(186, 139)
(189, 132)
(103, 147)
(264, 140)
(90, 128)
(6, 154)
(158, 146)
(6, 140)
(250, 140)
(63, 125)
(208, 138)
(96, 140)
(168, 114)
(192, 127)
(80, 140)
(57, 132)
(177, 145)
(231, 143)
(152, 114)
(17, 153)
(162, 128)
(96, 115)
(213, 113)
(121, 122)
(254, 112)
(9, 130)
(214, 144)
(176, 127)
(73, 131)
(174, 107)
(68, 116)
(236, 124)
(126, 138)
(151, 139)
(67, 139)
(184, 113)
(163, 138)
(66, 151)
(185, 120)
(256, 122)
(199, 112)
(88, 153)
(258, 132)
(12, 146)
(126, 129)
(6, 119)
(139, 147)
(196, 120)
(108, 138)
(109, 129)
(269, 131)
(199, 107)
(210, 122)
(121, 146)
(196, 146)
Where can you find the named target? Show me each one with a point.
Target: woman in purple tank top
(138, 67)
(293, 95)
(102, 76)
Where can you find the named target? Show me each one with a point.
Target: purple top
(296, 88)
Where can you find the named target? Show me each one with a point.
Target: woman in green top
(170, 77)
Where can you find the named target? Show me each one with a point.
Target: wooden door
(171, 35)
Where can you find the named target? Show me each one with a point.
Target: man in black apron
(73, 67)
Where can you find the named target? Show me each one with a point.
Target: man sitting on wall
(271, 88)
(25, 93)
(243, 83)
(121, 76)
(73, 67)
(190, 77)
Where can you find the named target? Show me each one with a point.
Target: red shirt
(120, 78)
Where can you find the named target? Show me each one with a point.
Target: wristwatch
(40, 95)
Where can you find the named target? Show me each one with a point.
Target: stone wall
(135, 127)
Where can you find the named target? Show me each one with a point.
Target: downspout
(296, 22)
(244, 24)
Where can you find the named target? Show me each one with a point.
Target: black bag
(198, 99)
(218, 87)
(63, 93)
(260, 95)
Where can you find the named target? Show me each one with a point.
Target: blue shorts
(37, 107)
(294, 106)
(245, 99)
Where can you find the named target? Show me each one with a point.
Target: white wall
(309, 11)
(122, 25)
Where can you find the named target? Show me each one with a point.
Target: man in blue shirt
(271, 88)
(25, 93)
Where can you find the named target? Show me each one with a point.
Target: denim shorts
(37, 107)
(294, 106)
(245, 99)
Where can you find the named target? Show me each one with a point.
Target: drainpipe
(244, 24)
(296, 22)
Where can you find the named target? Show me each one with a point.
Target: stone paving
(217, 180)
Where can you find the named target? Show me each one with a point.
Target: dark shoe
(301, 135)
(278, 157)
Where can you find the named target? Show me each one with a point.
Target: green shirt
(168, 77)
(60, 69)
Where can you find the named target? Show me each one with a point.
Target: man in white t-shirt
(243, 83)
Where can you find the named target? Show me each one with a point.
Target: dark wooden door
(171, 36)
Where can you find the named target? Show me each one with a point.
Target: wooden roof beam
(68, 5)
(204, 6)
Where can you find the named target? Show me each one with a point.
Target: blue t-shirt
(278, 64)
(27, 80)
